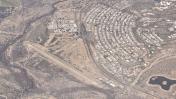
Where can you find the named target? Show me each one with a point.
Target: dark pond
(158, 1)
(5, 11)
(162, 81)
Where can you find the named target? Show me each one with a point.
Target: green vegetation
(9, 3)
